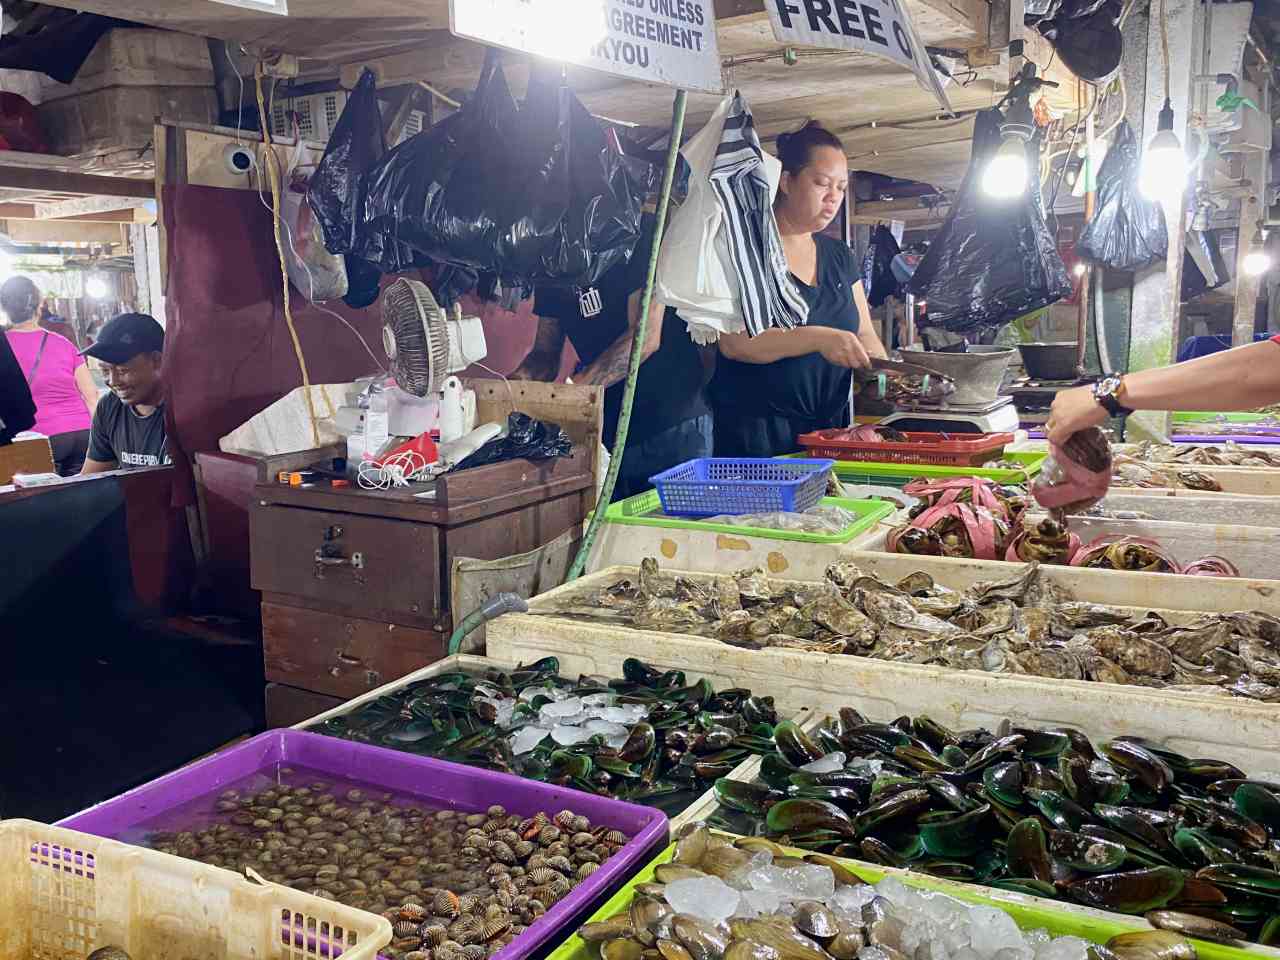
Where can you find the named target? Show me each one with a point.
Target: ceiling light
(96, 287)
(1257, 261)
(1078, 269)
(1163, 172)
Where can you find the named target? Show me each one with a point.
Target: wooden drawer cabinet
(340, 655)
(387, 569)
(289, 705)
(355, 583)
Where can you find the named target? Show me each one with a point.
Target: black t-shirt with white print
(121, 435)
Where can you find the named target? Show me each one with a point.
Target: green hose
(637, 345)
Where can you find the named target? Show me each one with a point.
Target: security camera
(239, 159)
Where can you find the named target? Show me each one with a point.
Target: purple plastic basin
(1263, 439)
(437, 782)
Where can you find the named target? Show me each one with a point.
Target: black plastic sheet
(528, 192)
(526, 438)
(993, 260)
(877, 266)
(337, 187)
(1127, 231)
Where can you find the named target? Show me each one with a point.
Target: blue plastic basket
(706, 487)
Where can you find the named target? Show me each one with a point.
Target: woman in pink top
(60, 382)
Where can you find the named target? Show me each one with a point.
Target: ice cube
(992, 930)
(1061, 948)
(526, 738)
(892, 889)
(772, 880)
(761, 901)
(1036, 938)
(1022, 952)
(828, 764)
(707, 897)
(872, 953)
(848, 901)
(616, 741)
(811, 882)
(593, 701)
(597, 725)
(865, 767)
(568, 707)
(567, 736)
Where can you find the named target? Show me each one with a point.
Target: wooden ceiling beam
(53, 181)
(64, 231)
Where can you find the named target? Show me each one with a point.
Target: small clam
(816, 920)
(1192, 925)
(750, 950)
(621, 949)
(692, 846)
(671, 950)
(703, 940)
(667, 872)
(108, 953)
(1151, 945)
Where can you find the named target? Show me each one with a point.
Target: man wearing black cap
(128, 426)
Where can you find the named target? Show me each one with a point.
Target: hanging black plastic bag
(877, 266)
(602, 223)
(526, 438)
(1127, 231)
(355, 145)
(993, 260)
(528, 193)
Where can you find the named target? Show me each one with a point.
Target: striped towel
(769, 295)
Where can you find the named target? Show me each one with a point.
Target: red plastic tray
(940, 449)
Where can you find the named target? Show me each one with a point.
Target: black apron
(760, 408)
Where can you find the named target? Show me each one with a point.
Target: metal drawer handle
(356, 560)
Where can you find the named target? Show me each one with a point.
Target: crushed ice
(934, 925)
(567, 719)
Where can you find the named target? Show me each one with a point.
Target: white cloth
(695, 272)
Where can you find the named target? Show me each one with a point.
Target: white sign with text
(881, 28)
(672, 42)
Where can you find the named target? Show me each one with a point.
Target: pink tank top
(60, 407)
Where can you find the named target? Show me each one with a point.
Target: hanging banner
(881, 28)
(671, 42)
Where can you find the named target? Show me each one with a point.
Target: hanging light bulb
(1163, 172)
(1257, 261)
(96, 287)
(1078, 270)
(1006, 174)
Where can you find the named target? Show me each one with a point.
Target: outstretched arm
(1238, 379)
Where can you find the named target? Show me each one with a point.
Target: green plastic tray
(900, 474)
(1028, 912)
(634, 511)
(1208, 416)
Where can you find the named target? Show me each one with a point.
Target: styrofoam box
(64, 894)
(711, 552)
(1224, 727)
(698, 810)
(1192, 507)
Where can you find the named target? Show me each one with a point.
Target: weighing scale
(995, 416)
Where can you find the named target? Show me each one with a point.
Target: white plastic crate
(64, 894)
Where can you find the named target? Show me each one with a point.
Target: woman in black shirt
(770, 388)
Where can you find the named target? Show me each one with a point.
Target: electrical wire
(226, 49)
(398, 470)
(1164, 46)
(284, 272)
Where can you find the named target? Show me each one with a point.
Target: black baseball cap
(124, 337)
